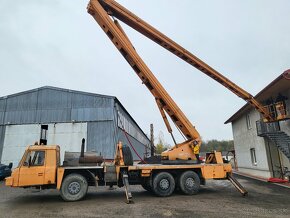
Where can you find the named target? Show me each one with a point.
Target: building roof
(279, 85)
(56, 89)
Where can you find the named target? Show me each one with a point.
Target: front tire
(163, 184)
(74, 187)
(189, 183)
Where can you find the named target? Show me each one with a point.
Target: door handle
(40, 174)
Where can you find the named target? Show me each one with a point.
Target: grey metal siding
(138, 146)
(91, 114)
(91, 108)
(126, 122)
(22, 102)
(3, 104)
(47, 105)
(101, 138)
(53, 115)
(2, 135)
(21, 108)
(53, 106)
(2, 110)
(90, 101)
(2, 117)
(19, 117)
(53, 99)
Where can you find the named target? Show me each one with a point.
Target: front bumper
(9, 181)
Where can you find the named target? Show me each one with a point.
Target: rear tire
(189, 183)
(163, 184)
(74, 187)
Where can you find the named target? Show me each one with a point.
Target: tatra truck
(178, 168)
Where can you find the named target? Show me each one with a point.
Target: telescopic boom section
(118, 11)
(123, 44)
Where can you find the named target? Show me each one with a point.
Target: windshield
(22, 159)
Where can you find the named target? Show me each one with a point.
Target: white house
(263, 149)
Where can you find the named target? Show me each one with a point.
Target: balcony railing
(263, 128)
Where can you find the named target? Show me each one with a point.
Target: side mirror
(10, 165)
(25, 164)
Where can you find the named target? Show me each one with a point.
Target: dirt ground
(216, 199)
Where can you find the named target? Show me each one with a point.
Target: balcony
(264, 128)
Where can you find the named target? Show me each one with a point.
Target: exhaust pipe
(89, 158)
(83, 148)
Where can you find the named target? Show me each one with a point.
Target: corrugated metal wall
(102, 138)
(137, 138)
(47, 105)
(2, 110)
(139, 147)
(53, 106)
(2, 135)
(124, 120)
(21, 108)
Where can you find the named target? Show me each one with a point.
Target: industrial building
(263, 149)
(63, 117)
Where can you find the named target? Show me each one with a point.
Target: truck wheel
(127, 155)
(163, 184)
(189, 183)
(146, 185)
(74, 187)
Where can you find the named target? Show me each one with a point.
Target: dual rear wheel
(189, 183)
(164, 184)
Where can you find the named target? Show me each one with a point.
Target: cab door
(32, 170)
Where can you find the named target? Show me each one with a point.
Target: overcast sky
(57, 43)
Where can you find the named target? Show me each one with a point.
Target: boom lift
(101, 10)
(40, 165)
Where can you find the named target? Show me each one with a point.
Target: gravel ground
(216, 199)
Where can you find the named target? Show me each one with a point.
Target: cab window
(35, 158)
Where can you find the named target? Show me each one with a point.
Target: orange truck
(40, 168)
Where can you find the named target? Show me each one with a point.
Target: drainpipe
(280, 163)
(271, 159)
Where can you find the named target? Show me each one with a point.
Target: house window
(43, 135)
(249, 123)
(253, 156)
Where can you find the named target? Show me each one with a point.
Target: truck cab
(38, 167)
